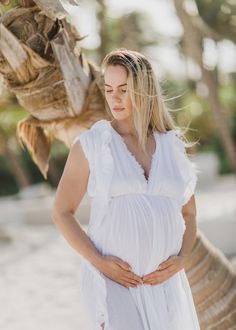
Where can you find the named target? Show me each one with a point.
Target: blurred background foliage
(132, 31)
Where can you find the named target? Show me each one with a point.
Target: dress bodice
(114, 171)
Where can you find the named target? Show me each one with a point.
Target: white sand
(39, 282)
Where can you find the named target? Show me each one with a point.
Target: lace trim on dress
(134, 159)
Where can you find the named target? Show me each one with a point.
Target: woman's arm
(70, 192)
(189, 213)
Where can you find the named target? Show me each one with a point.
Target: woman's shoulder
(100, 125)
(94, 137)
(90, 132)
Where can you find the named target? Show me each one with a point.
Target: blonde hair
(150, 112)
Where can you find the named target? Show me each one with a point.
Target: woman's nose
(115, 96)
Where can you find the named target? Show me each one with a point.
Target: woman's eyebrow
(117, 86)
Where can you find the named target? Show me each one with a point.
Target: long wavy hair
(150, 112)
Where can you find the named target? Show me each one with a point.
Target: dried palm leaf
(43, 66)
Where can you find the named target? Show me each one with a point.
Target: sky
(165, 57)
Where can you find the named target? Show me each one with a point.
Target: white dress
(139, 221)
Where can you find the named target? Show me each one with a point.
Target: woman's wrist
(184, 257)
(183, 254)
(97, 260)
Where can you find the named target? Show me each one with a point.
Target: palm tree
(42, 64)
(50, 76)
(195, 30)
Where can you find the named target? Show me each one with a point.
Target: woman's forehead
(115, 70)
(115, 76)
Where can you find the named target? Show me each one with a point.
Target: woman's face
(116, 92)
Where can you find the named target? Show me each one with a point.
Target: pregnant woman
(142, 223)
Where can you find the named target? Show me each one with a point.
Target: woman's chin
(120, 115)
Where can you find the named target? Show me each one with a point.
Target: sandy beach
(39, 282)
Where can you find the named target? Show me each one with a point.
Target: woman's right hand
(119, 271)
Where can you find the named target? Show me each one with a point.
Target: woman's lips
(118, 109)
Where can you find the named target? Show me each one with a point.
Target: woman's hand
(165, 270)
(119, 271)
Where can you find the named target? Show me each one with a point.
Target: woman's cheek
(128, 104)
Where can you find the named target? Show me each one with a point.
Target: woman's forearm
(77, 237)
(189, 236)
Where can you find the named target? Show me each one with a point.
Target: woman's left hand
(165, 270)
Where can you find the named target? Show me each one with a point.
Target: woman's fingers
(132, 282)
(128, 279)
(133, 278)
(122, 273)
(124, 265)
(128, 284)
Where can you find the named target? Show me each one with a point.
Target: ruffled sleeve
(87, 143)
(95, 144)
(187, 168)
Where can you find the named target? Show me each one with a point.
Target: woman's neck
(124, 127)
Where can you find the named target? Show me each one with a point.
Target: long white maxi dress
(138, 220)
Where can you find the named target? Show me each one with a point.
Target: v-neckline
(134, 159)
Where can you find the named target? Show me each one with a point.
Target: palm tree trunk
(213, 284)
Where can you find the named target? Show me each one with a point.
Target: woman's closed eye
(123, 91)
